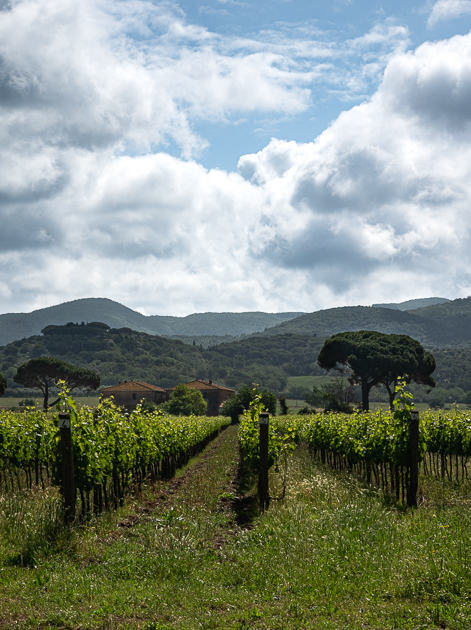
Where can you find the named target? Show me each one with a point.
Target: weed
(31, 521)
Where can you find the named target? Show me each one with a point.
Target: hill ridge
(14, 326)
(410, 305)
(442, 324)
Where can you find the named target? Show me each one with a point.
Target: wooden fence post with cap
(68, 482)
(263, 494)
(413, 459)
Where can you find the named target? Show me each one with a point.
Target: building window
(134, 396)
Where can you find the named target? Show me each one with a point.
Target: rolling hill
(446, 322)
(441, 324)
(409, 305)
(124, 354)
(15, 326)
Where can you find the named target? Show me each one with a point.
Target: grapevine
(113, 450)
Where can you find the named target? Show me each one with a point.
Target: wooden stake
(413, 459)
(68, 482)
(263, 493)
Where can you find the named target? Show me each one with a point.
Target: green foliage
(372, 438)
(3, 384)
(439, 324)
(453, 367)
(124, 354)
(119, 354)
(403, 404)
(185, 401)
(297, 392)
(27, 402)
(281, 439)
(331, 544)
(108, 444)
(447, 432)
(44, 372)
(93, 329)
(315, 398)
(240, 402)
(283, 406)
(376, 358)
(328, 322)
(382, 437)
(305, 411)
(149, 406)
(333, 396)
(291, 354)
(438, 398)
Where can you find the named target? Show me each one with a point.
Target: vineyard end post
(413, 459)
(68, 482)
(263, 494)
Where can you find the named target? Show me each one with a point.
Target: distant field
(295, 405)
(374, 406)
(91, 401)
(307, 381)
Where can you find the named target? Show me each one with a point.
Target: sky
(233, 155)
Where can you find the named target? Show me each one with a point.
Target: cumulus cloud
(448, 9)
(91, 205)
(385, 189)
(133, 76)
(98, 73)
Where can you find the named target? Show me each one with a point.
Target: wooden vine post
(413, 459)
(263, 493)
(68, 482)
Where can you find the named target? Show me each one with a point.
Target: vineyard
(112, 451)
(195, 551)
(373, 446)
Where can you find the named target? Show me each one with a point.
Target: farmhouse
(129, 393)
(213, 394)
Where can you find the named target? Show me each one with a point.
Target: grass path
(194, 553)
(124, 568)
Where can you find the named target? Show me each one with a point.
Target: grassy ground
(308, 381)
(195, 553)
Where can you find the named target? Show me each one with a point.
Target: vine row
(112, 450)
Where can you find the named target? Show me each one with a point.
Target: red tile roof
(133, 386)
(203, 385)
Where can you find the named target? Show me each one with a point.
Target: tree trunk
(391, 394)
(365, 391)
(46, 396)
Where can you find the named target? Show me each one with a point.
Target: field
(194, 552)
(308, 381)
(10, 402)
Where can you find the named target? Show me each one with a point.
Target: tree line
(269, 361)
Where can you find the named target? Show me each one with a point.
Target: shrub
(185, 401)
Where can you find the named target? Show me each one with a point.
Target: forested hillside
(114, 354)
(447, 323)
(441, 324)
(14, 326)
(330, 321)
(409, 305)
(124, 354)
